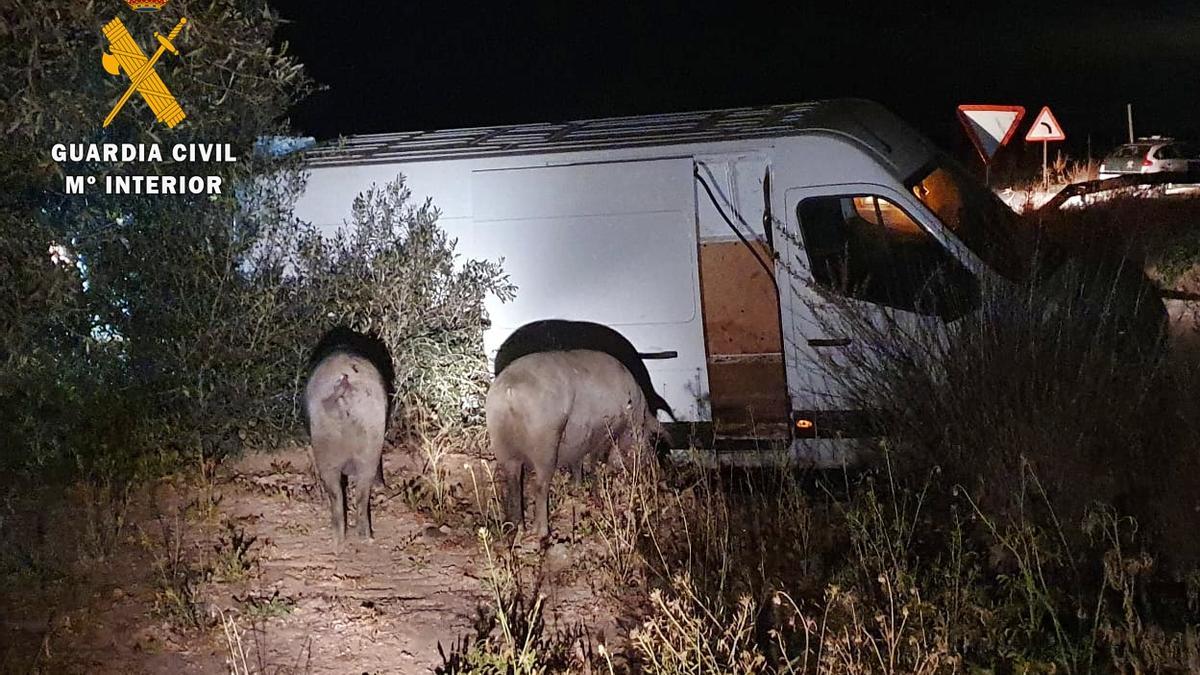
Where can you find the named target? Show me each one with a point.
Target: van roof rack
(614, 132)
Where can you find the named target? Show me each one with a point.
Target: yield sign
(990, 126)
(1045, 128)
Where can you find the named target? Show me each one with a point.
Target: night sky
(424, 65)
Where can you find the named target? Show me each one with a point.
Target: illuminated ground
(299, 607)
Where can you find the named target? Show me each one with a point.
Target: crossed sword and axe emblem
(125, 55)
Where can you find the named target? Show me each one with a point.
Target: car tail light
(1147, 161)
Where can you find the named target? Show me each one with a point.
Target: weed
(106, 506)
(233, 641)
(27, 559)
(260, 608)
(510, 635)
(487, 497)
(689, 633)
(415, 493)
(208, 497)
(626, 498)
(1079, 171)
(1178, 256)
(233, 560)
(434, 448)
(177, 595)
(241, 663)
(432, 491)
(976, 540)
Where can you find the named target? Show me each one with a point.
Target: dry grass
(434, 449)
(1028, 509)
(918, 588)
(485, 490)
(1078, 171)
(1042, 522)
(688, 633)
(178, 576)
(510, 635)
(1140, 227)
(245, 652)
(627, 500)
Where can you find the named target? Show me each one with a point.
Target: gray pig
(347, 403)
(557, 409)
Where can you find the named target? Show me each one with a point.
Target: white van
(702, 235)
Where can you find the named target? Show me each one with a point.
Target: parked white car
(1150, 155)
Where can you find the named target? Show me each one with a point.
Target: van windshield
(975, 215)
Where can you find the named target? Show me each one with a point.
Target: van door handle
(829, 342)
(672, 354)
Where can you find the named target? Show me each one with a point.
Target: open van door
(858, 255)
(740, 300)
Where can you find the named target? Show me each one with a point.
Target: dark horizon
(402, 68)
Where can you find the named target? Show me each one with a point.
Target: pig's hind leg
(541, 501)
(362, 486)
(546, 447)
(514, 496)
(335, 486)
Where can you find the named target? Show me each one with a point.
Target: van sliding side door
(740, 303)
(606, 242)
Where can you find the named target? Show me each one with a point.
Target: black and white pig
(558, 409)
(347, 404)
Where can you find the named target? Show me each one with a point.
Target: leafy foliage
(169, 327)
(107, 354)
(392, 270)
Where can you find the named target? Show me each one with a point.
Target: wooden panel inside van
(746, 372)
(741, 310)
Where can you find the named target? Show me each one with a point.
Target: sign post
(1045, 128)
(989, 127)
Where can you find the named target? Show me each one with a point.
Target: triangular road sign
(990, 126)
(1045, 128)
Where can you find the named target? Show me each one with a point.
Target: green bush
(393, 271)
(102, 363)
(179, 327)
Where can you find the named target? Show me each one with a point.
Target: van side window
(867, 248)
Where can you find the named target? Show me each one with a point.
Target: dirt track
(380, 607)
